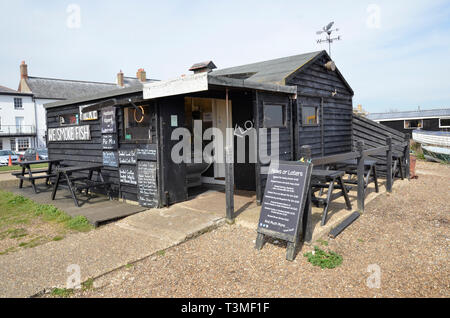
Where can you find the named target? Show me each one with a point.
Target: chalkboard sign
(127, 156)
(127, 174)
(146, 152)
(110, 159)
(109, 141)
(147, 184)
(284, 199)
(109, 120)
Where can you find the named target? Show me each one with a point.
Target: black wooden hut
(305, 97)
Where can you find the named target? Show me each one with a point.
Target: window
(274, 115)
(138, 124)
(18, 103)
(310, 115)
(12, 142)
(70, 119)
(23, 144)
(413, 124)
(444, 122)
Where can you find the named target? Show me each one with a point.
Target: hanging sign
(110, 159)
(147, 184)
(92, 115)
(109, 141)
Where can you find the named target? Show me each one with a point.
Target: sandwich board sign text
(284, 202)
(178, 86)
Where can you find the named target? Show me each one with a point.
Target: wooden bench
(350, 168)
(28, 174)
(331, 180)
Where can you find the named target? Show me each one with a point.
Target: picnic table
(78, 184)
(332, 180)
(350, 168)
(31, 175)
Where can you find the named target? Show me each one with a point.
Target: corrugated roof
(272, 71)
(430, 113)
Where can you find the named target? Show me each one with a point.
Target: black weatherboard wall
(315, 87)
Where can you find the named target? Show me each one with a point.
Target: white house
(17, 120)
(47, 90)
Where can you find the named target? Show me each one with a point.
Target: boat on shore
(435, 144)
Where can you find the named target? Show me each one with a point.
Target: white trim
(410, 118)
(440, 122)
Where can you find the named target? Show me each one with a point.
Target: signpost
(285, 200)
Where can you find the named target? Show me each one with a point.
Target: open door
(220, 122)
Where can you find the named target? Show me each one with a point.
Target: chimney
(203, 67)
(120, 79)
(141, 75)
(23, 70)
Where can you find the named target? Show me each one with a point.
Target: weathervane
(327, 29)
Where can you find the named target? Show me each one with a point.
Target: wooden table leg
(21, 179)
(33, 185)
(345, 193)
(74, 197)
(375, 179)
(55, 186)
(327, 203)
(307, 226)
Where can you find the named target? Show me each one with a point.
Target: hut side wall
(315, 86)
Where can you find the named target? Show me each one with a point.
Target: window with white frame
(12, 142)
(23, 144)
(413, 124)
(444, 122)
(18, 103)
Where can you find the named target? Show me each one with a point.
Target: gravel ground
(406, 234)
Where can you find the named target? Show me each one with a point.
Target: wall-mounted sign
(110, 159)
(182, 85)
(127, 156)
(69, 133)
(147, 184)
(109, 141)
(127, 174)
(146, 152)
(109, 120)
(92, 115)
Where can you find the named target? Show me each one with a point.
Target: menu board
(147, 184)
(127, 156)
(109, 120)
(127, 174)
(284, 199)
(109, 141)
(146, 152)
(110, 159)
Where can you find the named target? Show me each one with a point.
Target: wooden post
(407, 157)
(389, 175)
(360, 172)
(229, 168)
(257, 164)
(306, 227)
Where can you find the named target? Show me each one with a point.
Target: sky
(394, 54)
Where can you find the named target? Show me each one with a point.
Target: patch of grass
(161, 253)
(323, 242)
(87, 285)
(61, 292)
(11, 249)
(360, 240)
(128, 266)
(18, 212)
(18, 168)
(323, 259)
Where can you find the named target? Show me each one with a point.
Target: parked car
(30, 154)
(4, 157)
